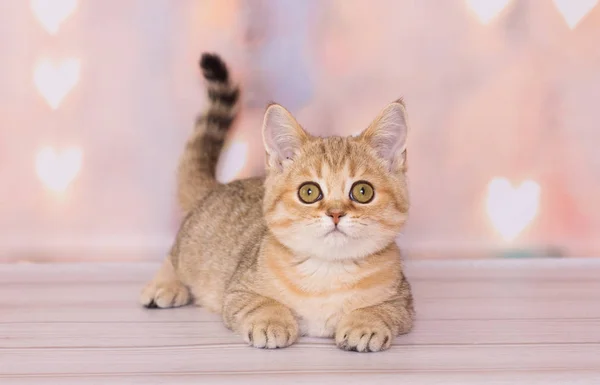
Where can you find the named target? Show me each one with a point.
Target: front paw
(359, 334)
(270, 331)
(165, 295)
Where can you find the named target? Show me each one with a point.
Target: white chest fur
(318, 317)
(323, 293)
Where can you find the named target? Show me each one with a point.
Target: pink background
(515, 98)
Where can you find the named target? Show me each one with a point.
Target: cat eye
(362, 192)
(310, 192)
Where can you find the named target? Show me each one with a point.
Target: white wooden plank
(77, 272)
(478, 322)
(66, 293)
(560, 269)
(344, 378)
(493, 289)
(507, 308)
(127, 310)
(426, 332)
(314, 358)
(114, 334)
(563, 269)
(101, 312)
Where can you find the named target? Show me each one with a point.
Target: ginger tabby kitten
(308, 250)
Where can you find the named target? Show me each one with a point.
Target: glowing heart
(55, 80)
(512, 209)
(232, 161)
(486, 10)
(57, 169)
(574, 10)
(52, 13)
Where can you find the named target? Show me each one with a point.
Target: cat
(309, 249)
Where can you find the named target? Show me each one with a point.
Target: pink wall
(516, 97)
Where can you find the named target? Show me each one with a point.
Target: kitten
(308, 250)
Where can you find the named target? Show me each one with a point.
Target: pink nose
(336, 215)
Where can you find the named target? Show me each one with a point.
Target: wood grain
(549, 377)
(493, 322)
(318, 357)
(126, 309)
(75, 292)
(157, 334)
(441, 270)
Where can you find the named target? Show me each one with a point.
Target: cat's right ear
(282, 135)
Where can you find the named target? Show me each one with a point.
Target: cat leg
(262, 322)
(372, 329)
(165, 290)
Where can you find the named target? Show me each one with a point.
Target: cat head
(336, 198)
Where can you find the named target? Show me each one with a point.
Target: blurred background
(98, 96)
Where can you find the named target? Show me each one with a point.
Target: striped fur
(251, 251)
(196, 174)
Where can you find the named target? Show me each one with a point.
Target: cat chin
(334, 247)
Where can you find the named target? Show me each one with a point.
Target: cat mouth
(336, 230)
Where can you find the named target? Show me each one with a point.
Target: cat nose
(336, 215)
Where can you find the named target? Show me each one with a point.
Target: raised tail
(196, 174)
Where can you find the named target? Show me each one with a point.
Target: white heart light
(486, 10)
(574, 10)
(52, 13)
(55, 80)
(512, 209)
(57, 169)
(232, 161)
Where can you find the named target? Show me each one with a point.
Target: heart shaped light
(232, 161)
(574, 10)
(511, 209)
(58, 168)
(52, 13)
(54, 80)
(486, 10)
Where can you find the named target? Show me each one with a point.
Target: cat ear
(387, 134)
(282, 136)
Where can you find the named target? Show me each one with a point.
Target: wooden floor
(479, 322)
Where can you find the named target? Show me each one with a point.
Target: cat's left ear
(282, 135)
(387, 134)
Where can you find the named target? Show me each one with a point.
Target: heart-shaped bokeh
(52, 13)
(574, 10)
(486, 10)
(58, 168)
(511, 209)
(54, 80)
(232, 161)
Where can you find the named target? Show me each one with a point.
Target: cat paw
(271, 333)
(165, 295)
(358, 335)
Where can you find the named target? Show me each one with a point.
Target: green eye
(309, 192)
(362, 192)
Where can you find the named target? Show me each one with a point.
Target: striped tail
(196, 174)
